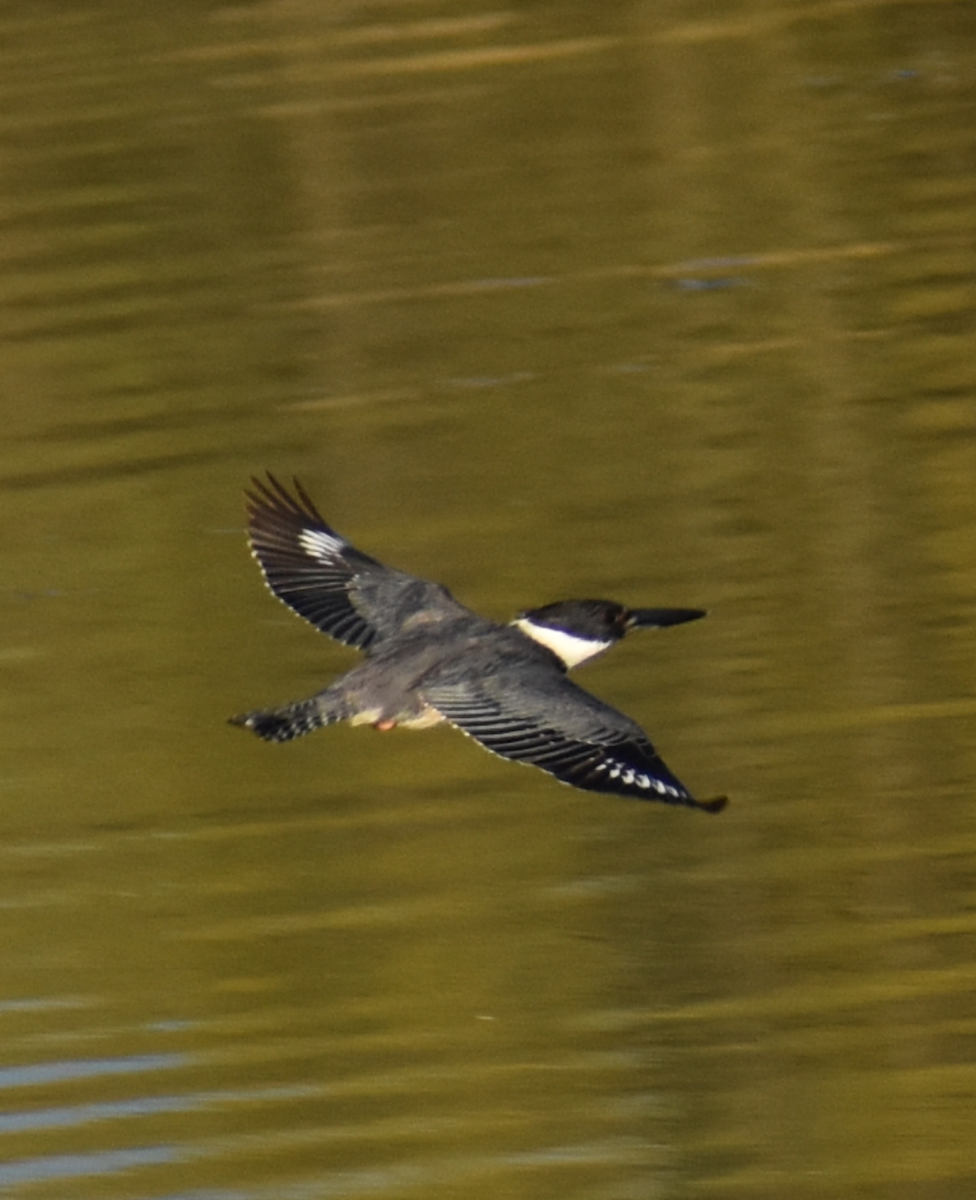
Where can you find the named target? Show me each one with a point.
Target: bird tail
(293, 720)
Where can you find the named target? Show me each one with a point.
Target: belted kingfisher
(430, 659)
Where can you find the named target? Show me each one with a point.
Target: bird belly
(367, 716)
(423, 720)
(382, 719)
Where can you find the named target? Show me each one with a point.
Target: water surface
(672, 304)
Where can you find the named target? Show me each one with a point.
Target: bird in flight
(429, 659)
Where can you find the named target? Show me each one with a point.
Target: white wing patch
(630, 776)
(318, 544)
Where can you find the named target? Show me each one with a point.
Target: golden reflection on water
(664, 306)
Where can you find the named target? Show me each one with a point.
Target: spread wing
(565, 731)
(317, 573)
